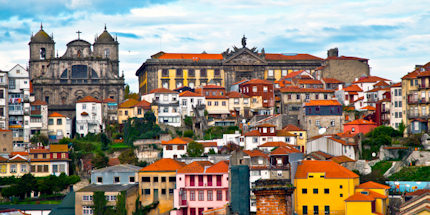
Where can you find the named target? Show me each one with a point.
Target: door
(155, 195)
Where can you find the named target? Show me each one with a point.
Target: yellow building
(301, 135)
(323, 186)
(157, 182)
(59, 126)
(372, 193)
(238, 104)
(131, 108)
(17, 166)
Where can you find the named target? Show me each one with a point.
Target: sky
(393, 35)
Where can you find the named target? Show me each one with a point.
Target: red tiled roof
(177, 141)
(370, 79)
(411, 75)
(257, 81)
(381, 84)
(109, 100)
(372, 185)
(322, 103)
(18, 158)
(195, 167)
(323, 154)
(255, 153)
(343, 142)
(285, 133)
(59, 148)
(418, 192)
(163, 165)
(294, 74)
(162, 90)
(189, 94)
(19, 153)
(33, 151)
(330, 168)
(252, 133)
(342, 159)
(212, 86)
(345, 58)
(190, 56)
(353, 88)
(113, 162)
(216, 97)
(291, 127)
(144, 104)
(209, 144)
(238, 82)
(360, 122)
(291, 57)
(274, 144)
(38, 102)
(295, 89)
(220, 167)
(284, 150)
(84, 113)
(309, 81)
(360, 197)
(397, 84)
(55, 114)
(129, 103)
(88, 99)
(332, 81)
(234, 94)
(369, 108)
(265, 125)
(359, 98)
(395, 147)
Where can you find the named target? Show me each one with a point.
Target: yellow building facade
(300, 133)
(175, 78)
(157, 182)
(131, 108)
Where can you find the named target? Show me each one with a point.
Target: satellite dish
(373, 154)
(322, 130)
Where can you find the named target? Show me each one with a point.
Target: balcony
(89, 121)
(16, 112)
(412, 114)
(412, 100)
(423, 86)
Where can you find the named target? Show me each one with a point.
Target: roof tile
(163, 165)
(330, 168)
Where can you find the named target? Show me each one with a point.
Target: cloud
(127, 35)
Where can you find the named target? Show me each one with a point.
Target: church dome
(78, 42)
(41, 37)
(105, 37)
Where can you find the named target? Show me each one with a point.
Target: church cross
(79, 33)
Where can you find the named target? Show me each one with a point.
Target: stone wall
(345, 70)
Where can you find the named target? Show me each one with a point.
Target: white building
(19, 105)
(265, 133)
(4, 100)
(188, 100)
(175, 148)
(333, 146)
(39, 117)
(367, 84)
(396, 105)
(166, 103)
(89, 117)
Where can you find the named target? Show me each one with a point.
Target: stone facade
(82, 71)
(273, 197)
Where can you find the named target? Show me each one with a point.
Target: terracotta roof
(252, 133)
(372, 185)
(195, 167)
(38, 102)
(234, 94)
(19, 158)
(291, 127)
(88, 99)
(213, 86)
(424, 73)
(113, 162)
(19, 153)
(109, 100)
(274, 144)
(343, 142)
(359, 98)
(397, 84)
(360, 122)
(323, 154)
(265, 125)
(345, 58)
(411, 75)
(295, 89)
(2, 159)
(177, 141)
(346, 134)
(291, 57)
(348, 108)
(418, 192)
(163, 165)
(342, 159)
(285, 133)
(190, 56)
(257, 81)
(216, 97)
(162, 90)
(330, 168)
(294, 74)
(220, 167)
(284, 150)
(322, 103)
(129, 103)
(353, 88)
(370, 79)
(189, 94)
(332, 81)
(370, 196)
(255, 153)
(309, 81)
(58, 148)
(55, 114)
(144, 104)
(369, 108)
(33, 151)
(84, 113)
(381, 84)
(395, 147)
(209, 144)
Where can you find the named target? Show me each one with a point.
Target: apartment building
(89, 117)
(165, 104)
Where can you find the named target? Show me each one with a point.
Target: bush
(194, 149)
(412, 174)
(382, 166)
(188, 133)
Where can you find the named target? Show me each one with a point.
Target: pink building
(200, 186)
(359, 126)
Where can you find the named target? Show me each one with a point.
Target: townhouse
(265, 133)
(217, 106)
(89, 117)
(165, 105)
(333, 145)
(190, 100)
(110, 110)
(176, 147)
(59, 126)
(396, 112)
(131, 108)
(39, 118)
(239, 104)
(262, 96)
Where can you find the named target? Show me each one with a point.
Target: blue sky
(394, 35)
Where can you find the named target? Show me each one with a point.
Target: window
(353, 129)
(201, 195)
(163, 191)
(172, 179)
(23, 168)
(147, 191)
(192, 195)
(146, 179)
(209, 103)
(265, 89)
(203, 73)
(165, 73)
(316, 210)
(200, 180)
(315, 190)
(191, 73)
(317, 123)
(179, 73)
(210, 195)
(131, 179)
(116, 179)
(298, 96)
(217, 72)
(209, 179)
(340, 186)
(270, 73)
(219, 195)
(163, 179)
(304, 191)
(87, 198)
(192, 183)
(223, 103)
(254, 89)
(51, 122)
(13, 168)
(341, 195)
(305, 209)
(181, 147)
(326, 191)
(126, 112)
(99, 179)
(218, 180)
(216, 104)
(155, 179)
(170, 191)
(327, 209)
(332, 123)
(59, 121)
(87, 210)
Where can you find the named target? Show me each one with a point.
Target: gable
(245, 56)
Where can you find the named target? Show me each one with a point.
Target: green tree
(39, 138)
(100, 160)
(188, 121)
(194, 149)
(128, 157)
(120, 204)
(99, 203)
(188, 133)
(128, 94)
(65, 140)
(105, 141)
(402, 127)
(211, 151)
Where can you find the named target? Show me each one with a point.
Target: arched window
(42, 53)
(64, 74)
(94, 74)
(79, 72)
(107, 53)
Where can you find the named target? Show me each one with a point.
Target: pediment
(244, 56)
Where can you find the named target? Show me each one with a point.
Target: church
(85, 69)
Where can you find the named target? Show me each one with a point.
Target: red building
(259, 90)
(213, 90)
(359, 126)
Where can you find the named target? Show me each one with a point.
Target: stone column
(273, 196)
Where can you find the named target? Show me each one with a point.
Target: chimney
(334, 52)
(274, 196)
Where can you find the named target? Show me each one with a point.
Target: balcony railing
(423, 86)
(412, 114)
